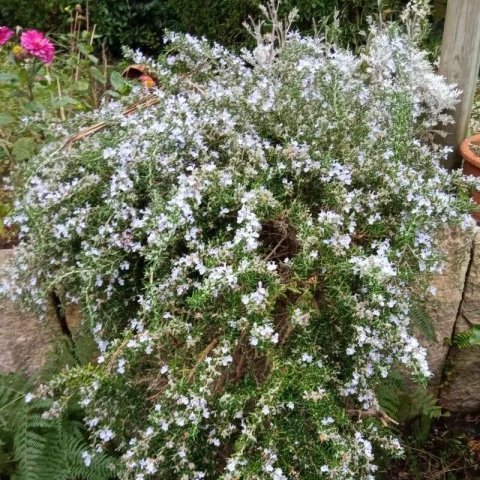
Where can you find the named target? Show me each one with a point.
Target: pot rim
(467, 152)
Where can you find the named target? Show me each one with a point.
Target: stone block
(443, 307)
(461, 389)
(24, 340)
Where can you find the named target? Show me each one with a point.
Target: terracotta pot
(140, 72)
(471, 164)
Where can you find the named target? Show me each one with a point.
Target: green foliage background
(142, 23)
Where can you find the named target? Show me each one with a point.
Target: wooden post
(459, 64)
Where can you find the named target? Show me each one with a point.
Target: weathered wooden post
(459, 63)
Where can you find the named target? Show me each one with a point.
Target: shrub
(142, 23)
(244, 251)
(46, 15)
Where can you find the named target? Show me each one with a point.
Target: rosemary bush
(244, 252)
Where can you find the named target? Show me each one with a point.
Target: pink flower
(36, 44)
(5, 35)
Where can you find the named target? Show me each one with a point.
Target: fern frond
(33, 447)
(422, 322)
(405, 402)
(421, 430)
(389, 394)
(28, 453)
(470, 338)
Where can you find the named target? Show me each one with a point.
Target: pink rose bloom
(36, 44)
(5, 35)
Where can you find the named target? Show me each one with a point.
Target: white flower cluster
(243, 252)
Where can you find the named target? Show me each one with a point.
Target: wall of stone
(461, 376)
(454, 309)
(443, 306)
(24, 344)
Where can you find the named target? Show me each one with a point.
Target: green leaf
(63, 101)
(112, 93)
(81, 86)
(475, 338)
(97, 75)
(23, 75)
(119, 83)
(469, 338)
(6, 119)
(34, 106)
(84, 49)
(23, 149)
(422, 321)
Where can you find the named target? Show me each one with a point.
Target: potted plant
(470, 151)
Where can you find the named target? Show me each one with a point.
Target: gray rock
(470, 309)
(24, 341)
(461, 389)
(443, 307)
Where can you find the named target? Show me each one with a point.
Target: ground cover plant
(247, 251)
